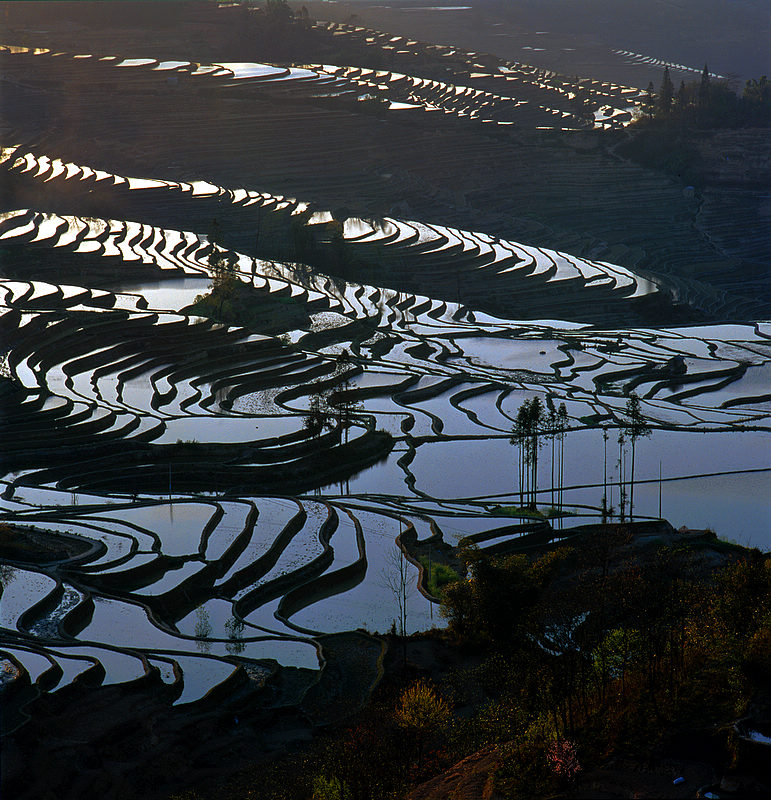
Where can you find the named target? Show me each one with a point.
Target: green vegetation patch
(438, 575)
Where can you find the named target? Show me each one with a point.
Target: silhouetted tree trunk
(636, 427)
(621, 460)
(666, 93)
(704, 88)
(604, 473)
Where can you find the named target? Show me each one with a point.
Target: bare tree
(395, 578)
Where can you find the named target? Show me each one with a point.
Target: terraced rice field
(240, 493)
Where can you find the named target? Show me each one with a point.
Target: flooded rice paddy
(246, 489)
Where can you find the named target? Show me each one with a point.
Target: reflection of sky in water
(34, 663)
(126, 625)
(178, 526)
(172, 294)
(736, 506)
(217, 429)
(246, 69)
(371, 603)
(531, 354)
(487, 468)
(21, 589)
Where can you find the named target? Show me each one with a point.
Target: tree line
(540, 424)
(709, 102)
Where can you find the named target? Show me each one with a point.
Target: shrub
(757, 657)
(563, 759)
(525, 772)
(422, 714)
(330, 789)
(439, 576)
(421, 709)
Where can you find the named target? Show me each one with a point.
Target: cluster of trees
(537, 424)
(634, 427)
(709, 102)
(234, 301)
(400, 739)
(277, 11)
(334, 405)
(268, 30)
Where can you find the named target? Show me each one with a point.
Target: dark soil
(27, 546)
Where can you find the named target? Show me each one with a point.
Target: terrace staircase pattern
(513, 184)
(447, 262)
(229, 496)
(98, 382)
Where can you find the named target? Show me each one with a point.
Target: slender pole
(604, 475)
(659, 489)
(430, 602)
(610, 499)
(631, 490)
(551, 436)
